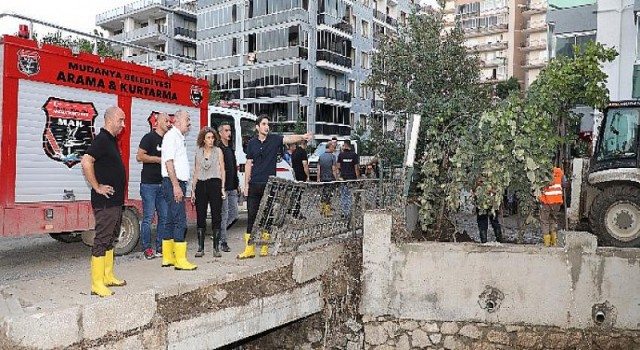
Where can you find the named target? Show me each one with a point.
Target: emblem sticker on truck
(196, 95)
(28, 62)
(69, 129)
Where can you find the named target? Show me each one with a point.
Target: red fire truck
(52, 104)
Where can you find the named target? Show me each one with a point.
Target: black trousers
(209, 194)
(256, 191)
(108, 222)
(484, 217)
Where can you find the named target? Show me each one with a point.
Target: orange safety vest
(552, 194)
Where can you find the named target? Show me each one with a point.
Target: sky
(75, 14)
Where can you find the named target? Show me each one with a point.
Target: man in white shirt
(175, 175)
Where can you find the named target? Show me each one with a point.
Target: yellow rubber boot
(249, 249)
(109, 279)
(547, 239)
(264, 250)
(168, 256)
(180, 250)
(554, 239)
(97, 277)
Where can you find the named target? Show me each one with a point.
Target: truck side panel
(39, 178)
(141, 111)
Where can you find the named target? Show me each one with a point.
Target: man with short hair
(232, 185)
(175, 175)
(262, 154)
(349, 169)
(300, 162)
(104, 170)
(149, 153)
(327, 172)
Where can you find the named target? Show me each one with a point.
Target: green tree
(428, 71)
(503, 89)
(100, 47)
(513, 145)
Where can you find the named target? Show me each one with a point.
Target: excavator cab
(611, 192)
(617, 145)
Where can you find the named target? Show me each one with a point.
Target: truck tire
(128, 236)
(615, 216)
(66, 237)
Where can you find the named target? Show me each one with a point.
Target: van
(243, 128)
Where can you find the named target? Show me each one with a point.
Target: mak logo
(28, 62)
(196, 95)
(69, 129)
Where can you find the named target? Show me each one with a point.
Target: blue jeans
(152, 201)
(176, 227)
(229, 213)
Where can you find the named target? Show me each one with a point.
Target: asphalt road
(40, 256)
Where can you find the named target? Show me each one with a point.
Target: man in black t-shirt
(349, 168)
(104, 170)
(262, 155)
(149, 153)
(300, 162)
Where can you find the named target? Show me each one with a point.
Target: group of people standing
(164, 177)
(551, 201)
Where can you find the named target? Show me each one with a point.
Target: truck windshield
(618, 136)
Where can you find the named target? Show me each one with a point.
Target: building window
(636, 82)
(365, 29)
(364, 60)
(352, 87)
(564, 43)
(362, 122)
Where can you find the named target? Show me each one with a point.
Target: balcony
(500, 45)
(184, 34)
(335, 23)
(534, 45)
(332, 61)
(534, 63)
(284, 53)
(482, 31)
(535, 26)
(333, 97)
(152, 34)
(187, 8)
(141, 9)
(384, 19)
(274, 91)
(534, 8)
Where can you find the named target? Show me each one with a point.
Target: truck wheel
(615, 216)
(129, 234)
(66, 237)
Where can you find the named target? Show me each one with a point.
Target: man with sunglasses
(262, 154)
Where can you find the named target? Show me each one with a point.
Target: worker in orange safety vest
(550, 202)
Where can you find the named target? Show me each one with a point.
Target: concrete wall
(506, 284)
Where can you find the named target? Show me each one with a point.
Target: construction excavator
(605, 189)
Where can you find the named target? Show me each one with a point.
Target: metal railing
(300, 214)
(336, 23)
(333, 94)
(330, 56)
(129, 8)
(189, 33)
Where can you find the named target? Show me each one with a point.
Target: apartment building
(297, 60)
(167, 26)
(509, 36)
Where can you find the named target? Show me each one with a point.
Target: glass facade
(564, 44)
(257, 8)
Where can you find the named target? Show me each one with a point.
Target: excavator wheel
(615, 216)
